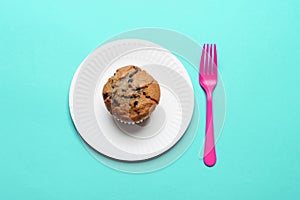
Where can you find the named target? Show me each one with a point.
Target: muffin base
(131, 122)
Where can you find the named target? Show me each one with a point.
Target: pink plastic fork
(208, 78)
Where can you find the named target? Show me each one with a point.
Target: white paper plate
(131, 142)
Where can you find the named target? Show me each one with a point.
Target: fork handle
(209, 145)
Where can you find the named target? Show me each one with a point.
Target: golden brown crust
(131, 94)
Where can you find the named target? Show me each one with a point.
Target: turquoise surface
(43, 42)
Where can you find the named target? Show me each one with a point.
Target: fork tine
(202, 60)
(215, 60)
(210, 60)
(206, 59)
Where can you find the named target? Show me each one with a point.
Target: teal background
(43, 42)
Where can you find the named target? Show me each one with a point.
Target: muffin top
(131, 94)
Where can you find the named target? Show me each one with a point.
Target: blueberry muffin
(131, 94)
